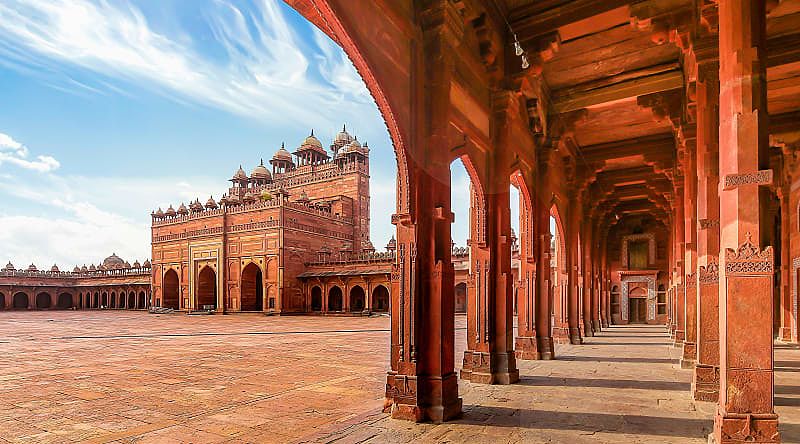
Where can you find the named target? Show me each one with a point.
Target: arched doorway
(316, 299)
(335, 299)
(43, 301)
(2, 301)
(358, 299)
(104, 300)
(380, 299)
(637, 306)
(113, 303)
(461, 297)
(252, 297)
(142, 300)
(96, 300)
(64, 301)
(206, 292)
(131, 300)
(169, 295)
(20, 301)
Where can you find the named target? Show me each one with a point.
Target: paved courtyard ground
(133, 377)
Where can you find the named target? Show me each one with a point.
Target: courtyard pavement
(132, 377)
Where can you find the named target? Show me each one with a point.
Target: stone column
(572, 230)
(784, 192)
(422, 384)
(525, 342)
(705, 380)
(476, 356)
(544, 340)
(745, 411)
(678, 288)
(690, 254)
(589, 281)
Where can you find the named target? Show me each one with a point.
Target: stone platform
(132, 377)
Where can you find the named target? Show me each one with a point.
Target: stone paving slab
(131, 377)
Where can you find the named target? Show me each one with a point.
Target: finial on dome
(312, 131)
(283, 145)
(262, 161)
(344, 127)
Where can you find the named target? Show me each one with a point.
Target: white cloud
(261, 73)
(15, 153)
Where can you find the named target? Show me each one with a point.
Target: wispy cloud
(261, 72)
(15, 153)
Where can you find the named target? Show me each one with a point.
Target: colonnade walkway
(624, 385)
(124, 377)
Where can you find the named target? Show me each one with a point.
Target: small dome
(84, 269)
(343, 137)
(92, 267)
(127, 264)
(146, 263)
(113, 262)
(311, 143)
(239, 174)
(196, 206)
(250, 197)
(159, 213)
(54, 269)
(368, 246)
(77, 269)
(136, 264)
(170, 212)
(32, 267)
(9, 267)
(392, 245)
(182, 210)
(282, 155)
(261, 172)
(211, 204)
(233, 200)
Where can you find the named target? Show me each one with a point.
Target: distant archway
(252, 296)
(461, 297)
(206, 292)
(316, 299)
(96, 301)
(64, 301)
(43, 300)
(104, 300)
(380, 299)
(142, 300)
(113, 301)
(169, 295)
(20, 301)
(131, 300)
(357, 299)
(335, 299)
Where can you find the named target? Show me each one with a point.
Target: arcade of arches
(660, 135)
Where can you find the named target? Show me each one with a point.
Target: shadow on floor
(547, 381)
(787, 402)
(606, 359)
(660, 344)
(590, 422)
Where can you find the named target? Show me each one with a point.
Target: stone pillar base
(545, 348)
(603, 323)
(689, 355)
(678, 339)
(404, 400)
(596, 324)
(785, 334)
(561, 335)
(575, 337)
(730, 428)
(587, 329)
(525, 348)
(489, 368)
(705, 383)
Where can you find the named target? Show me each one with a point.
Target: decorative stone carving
(651, 247)
(762, 177)
(795, 267)
(749, 259)
(705, 224)
(691, 279)
(709, 274)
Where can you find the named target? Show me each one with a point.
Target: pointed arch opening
(206, 291)
(20, 301)
(64, 301)
(380, 299)
(335, 299)
(316, 298)
(169, 295)
(252, 295)
(358, 300)
(43, 301)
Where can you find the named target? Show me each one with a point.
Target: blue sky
(111, 109)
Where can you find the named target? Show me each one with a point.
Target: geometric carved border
(651, 295)
(651, 247)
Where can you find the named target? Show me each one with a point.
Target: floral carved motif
(762, 177)
(705, 224)
(691, 279)
(709, 274)
(749, 259)
(651, 294)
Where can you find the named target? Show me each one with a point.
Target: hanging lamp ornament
(517, 47)
(525, 64)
